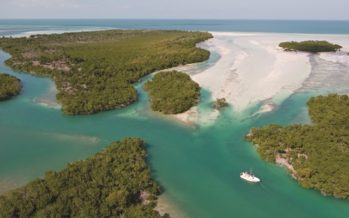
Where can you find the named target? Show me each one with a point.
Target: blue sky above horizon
(178, 9)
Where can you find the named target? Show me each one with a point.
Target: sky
(177, 9)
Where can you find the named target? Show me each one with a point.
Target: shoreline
(27, 34)
(8, 185)
(183, 121)
(240, 82)
(279, 73)
(235, 77)
(165, 206)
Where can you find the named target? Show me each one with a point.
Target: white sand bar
(252, 67)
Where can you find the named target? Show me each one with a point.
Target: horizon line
(174, 19)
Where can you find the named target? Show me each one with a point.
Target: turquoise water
(198, 167)
(9, 26)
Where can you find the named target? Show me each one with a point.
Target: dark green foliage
(94, 71)
(319, 153)
(219, 103)
(172, 92)
(310, 46)
(333, 110)
(107, 184)
(9, 86)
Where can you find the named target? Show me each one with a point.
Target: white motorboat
(248, 176)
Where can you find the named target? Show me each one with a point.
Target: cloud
(46, 3)
(219, 9)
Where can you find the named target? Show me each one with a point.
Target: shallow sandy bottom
(252, 69)
(164, 206)
(8, 184)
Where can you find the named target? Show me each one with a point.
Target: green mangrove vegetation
(310, 46)
(95, 71)
(317, 155)
(115, 182)
(219, 103)
(9, 86)
(172, 92)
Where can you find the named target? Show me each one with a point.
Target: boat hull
(250, 178)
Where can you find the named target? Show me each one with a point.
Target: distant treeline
(319, 152)
(113, 183)
(94, 71)
(172, 92)
(9, 86)
(310, 46)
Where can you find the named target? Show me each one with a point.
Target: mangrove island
(172, 92)
(115, 182)
(310, 46)
(9, 86)
(315, 154)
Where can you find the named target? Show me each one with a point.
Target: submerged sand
(252, 69)
(165, 206)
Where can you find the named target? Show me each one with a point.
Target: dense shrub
(172, 92)
(310, 46)
(319, 153)
(94, 71)
(9, 86)
(108, 184)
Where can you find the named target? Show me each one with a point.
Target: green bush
(95, 71)
(219, 103)
(172, 92)
(310, 46)
(9, 86)
(318, 152)
(107, 184)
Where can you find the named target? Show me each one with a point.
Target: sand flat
(252, 67)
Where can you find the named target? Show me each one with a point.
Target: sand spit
(195, 116)
(252, 68)
(47, 102)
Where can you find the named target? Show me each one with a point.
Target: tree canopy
(310, 46)
(319, 153)
(9, 86)
(108, 184)
(94, 71)
(172, 92)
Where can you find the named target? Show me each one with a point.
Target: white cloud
(46, 3)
